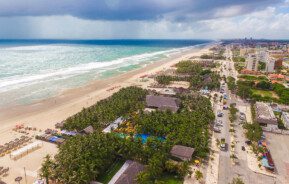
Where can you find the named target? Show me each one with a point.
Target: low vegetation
(253, 78)
(233, 113)
(231, 83)
(239, 59)
(263, 91)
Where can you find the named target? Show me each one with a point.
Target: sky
(144, 19)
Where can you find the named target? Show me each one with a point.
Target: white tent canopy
(113, 125)
(25, 150)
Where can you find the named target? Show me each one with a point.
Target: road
(228, 170)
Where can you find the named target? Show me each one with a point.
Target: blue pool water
(144, 137)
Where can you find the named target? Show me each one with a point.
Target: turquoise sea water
(32, 70)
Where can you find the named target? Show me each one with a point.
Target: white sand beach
(44, 114)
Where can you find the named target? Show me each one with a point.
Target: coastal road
(228, 170)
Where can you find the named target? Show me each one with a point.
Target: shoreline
(72, 101)
(46, 113)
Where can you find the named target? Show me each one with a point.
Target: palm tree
(198, 175)
(46, 169)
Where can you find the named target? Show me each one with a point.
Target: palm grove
(82, 159)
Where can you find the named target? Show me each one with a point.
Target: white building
(285, 119)
(265, 115)
(252, 62)
(270, 65)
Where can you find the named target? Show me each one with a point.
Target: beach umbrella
(18, 179)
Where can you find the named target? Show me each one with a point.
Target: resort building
(182, 152)
(167, 92)
(252, 62)
(162, 103)
(265, 115)
(285, 119)
(113, 125)
(127, 173)
(88, 130)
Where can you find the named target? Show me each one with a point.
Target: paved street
(227, 171)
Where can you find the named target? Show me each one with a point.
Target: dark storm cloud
(179, 10)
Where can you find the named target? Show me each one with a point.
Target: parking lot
(279, 148)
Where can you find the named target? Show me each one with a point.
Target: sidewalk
(253, 162)
(213, 166)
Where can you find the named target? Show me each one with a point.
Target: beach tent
(113, 125)
(70, 133)
(53, 139)
(25, 150)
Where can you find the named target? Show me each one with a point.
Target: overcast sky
(173, 19)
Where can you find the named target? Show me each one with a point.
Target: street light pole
(25, 175)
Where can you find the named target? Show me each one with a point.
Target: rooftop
(129, 176)
(182, 151)
(162, 103)
(265, 113)
(276, 76)
(113, 125)
(88, 130)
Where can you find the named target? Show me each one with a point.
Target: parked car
(219, 123)
(223, 146)
(242, 117)
(220, 114)
(217, 129)
(225, 107)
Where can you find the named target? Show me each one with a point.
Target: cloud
(174, 19)
(267, 23)
(118, 10)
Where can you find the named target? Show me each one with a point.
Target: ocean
(32, 70)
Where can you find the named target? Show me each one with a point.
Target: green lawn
(170, 179)
(106, 177)
(264, 93)
(253, 77)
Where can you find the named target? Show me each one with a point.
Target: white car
(219, 123)
(223, 146)
(217, 129)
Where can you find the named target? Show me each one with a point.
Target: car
(220, 114)
(219, 123)
(217, 129)
(242, 117)
(225, 107)
(243, 148)
(223, 146)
